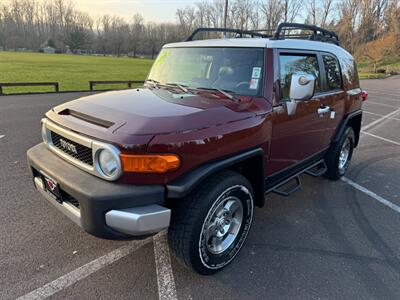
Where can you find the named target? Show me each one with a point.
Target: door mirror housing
(302, 87)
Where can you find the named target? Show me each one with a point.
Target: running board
(316, 169)
(290, 190)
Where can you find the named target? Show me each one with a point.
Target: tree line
(32, 25)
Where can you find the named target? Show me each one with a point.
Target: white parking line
(1, 136)
(382, 200)
(165, 276)
(381, 138)
(393, 113)
(84, 271)
(380, 115)
(382, 93)
(382, 104)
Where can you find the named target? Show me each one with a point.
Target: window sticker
(256, 73)
(253, 84)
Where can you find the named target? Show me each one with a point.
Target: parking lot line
(389, 97)
(382, 104)
(380, 115)
(381, 138)
(1, 136)
(382, 200)
(165, 276)
(393, 113)
(382, 93)
(84, 271)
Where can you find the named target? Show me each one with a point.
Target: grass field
(72, 71)
(389, 64)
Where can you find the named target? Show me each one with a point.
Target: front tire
(209, 227)
(339, 155)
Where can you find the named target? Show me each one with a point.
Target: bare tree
(291, 9)
(272, 12)
(33, 24)
(136, 34)
(327, 7)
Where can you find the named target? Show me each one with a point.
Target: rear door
(306, 133)
(333, 95)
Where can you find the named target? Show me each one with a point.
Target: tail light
(364, 95)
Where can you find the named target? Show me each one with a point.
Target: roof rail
(319, 34)
(240, 32)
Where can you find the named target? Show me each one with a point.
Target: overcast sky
(151, 10)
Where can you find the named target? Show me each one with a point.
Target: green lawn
(72, 71)
(390, 64)
(371, 75)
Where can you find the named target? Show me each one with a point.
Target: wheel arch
(249, 164)
(354, 121)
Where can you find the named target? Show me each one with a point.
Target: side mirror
(302, 87)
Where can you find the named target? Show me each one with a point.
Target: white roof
(262, 43)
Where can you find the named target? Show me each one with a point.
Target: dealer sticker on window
(256, 73)
(253, 84)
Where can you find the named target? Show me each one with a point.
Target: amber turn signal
(159, 164)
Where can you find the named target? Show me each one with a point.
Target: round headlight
(108, 163)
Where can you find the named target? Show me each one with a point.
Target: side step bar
(290, 190)
(317, 169)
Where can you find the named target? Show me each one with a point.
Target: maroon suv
(218, 125)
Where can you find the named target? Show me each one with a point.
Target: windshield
(235, 70)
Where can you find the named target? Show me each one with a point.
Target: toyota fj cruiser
(218, 125)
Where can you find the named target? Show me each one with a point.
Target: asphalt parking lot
(330, 240)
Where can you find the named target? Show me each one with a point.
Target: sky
(151, 10)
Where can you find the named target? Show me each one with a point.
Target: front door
(306, 133)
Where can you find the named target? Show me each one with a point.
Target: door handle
(324, 110)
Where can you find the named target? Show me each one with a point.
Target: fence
(56, 85)
(12, 84)
(92, 84)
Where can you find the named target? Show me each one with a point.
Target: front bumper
(104, 209)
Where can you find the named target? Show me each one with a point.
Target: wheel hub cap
(224, 225)
(344, 154)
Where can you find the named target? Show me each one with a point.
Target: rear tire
(339, 155)
(209, 226)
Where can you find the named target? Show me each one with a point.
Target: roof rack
(318, 33)
(239, 32)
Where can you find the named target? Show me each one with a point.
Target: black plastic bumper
(95, 196)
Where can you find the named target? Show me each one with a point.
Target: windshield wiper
(181, 86)
(155, 83)
(226, 93)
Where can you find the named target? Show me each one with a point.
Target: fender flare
(183, 185)
(343, 125)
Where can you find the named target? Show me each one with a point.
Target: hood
(150, 111)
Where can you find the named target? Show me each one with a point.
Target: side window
(297, 63)
(333, 80)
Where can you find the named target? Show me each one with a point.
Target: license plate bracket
(52, 187)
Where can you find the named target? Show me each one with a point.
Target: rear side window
(333, 79)
(297, 64)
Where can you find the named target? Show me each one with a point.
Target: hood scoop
(86, 118)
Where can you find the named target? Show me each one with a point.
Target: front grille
(84, 154)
